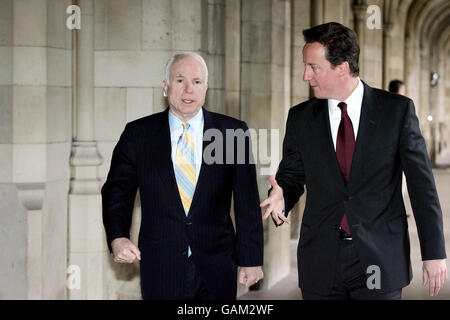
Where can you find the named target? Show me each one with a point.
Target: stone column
(232, 57)
(301, 19)
(412, 70)
(424, 111)
(13, 282)
(30, 129)
(87, 246)
(213, 50)
(265, 99)
(85, 157)
(23, 171)
(359, 10)
(301, 12)
(317, 12)
(394, 46)
(433, 103)
(33, 162)
(371, 43)
(387, 50)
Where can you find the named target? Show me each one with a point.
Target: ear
(165, 87)
(344, 68)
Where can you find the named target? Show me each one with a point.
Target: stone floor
(287, 288)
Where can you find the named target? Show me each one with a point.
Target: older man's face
(186, 90)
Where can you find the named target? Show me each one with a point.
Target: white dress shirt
(354, 103)
(196, 132)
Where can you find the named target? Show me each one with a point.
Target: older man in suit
(188, 248)
(349, 146)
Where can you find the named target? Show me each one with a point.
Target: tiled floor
(287, 288)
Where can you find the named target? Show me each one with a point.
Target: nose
(188, 87)
(307, 73)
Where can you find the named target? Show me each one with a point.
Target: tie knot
(185, 125)
(343, 107)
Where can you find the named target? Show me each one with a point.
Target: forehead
(314, 52)
(188, 66)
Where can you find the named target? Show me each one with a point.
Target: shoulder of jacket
(304, 106)
(223, 121)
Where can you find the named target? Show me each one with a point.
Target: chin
(189, 112)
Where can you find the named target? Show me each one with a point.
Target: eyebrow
(181, 76)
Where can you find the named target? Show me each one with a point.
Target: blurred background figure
(397, 86)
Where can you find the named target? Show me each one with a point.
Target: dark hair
(395, 85)
(341, 44)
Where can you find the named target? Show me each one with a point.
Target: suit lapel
(323, 143)
(205, 168)
(370, 113)
(163, 160)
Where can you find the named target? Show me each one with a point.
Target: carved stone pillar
(265, 101)
(359, 10)
(87, 247)
(387, 38)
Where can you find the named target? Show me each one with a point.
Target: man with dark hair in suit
(188, 248)
(397, 86)
(349, 145)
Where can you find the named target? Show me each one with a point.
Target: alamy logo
(74, 20)
(374, 19)
(234, 143)
(74, 277)
(374, 280)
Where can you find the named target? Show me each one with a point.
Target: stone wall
(35, 108)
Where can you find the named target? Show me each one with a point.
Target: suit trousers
(350, 279)
(195, 288)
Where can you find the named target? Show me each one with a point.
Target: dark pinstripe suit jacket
(142, 160)
(388, 143)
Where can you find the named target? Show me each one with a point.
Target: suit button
(189, 223)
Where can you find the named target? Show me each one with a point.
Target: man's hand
(435, 273)
(250, 275)
(275, 201)
(124, 251)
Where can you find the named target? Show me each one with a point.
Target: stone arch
(395, 14)
(442, 44)
(424, 23)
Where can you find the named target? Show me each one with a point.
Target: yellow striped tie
(185, 167)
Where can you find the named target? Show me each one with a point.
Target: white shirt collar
(354, 102)
(175, 123)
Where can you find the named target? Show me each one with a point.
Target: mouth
(187, 101)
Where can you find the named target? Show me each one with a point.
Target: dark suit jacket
(142, 160)
(388, 142)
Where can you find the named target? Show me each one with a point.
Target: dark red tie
(345, 146)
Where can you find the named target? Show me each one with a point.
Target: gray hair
(177, 56)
